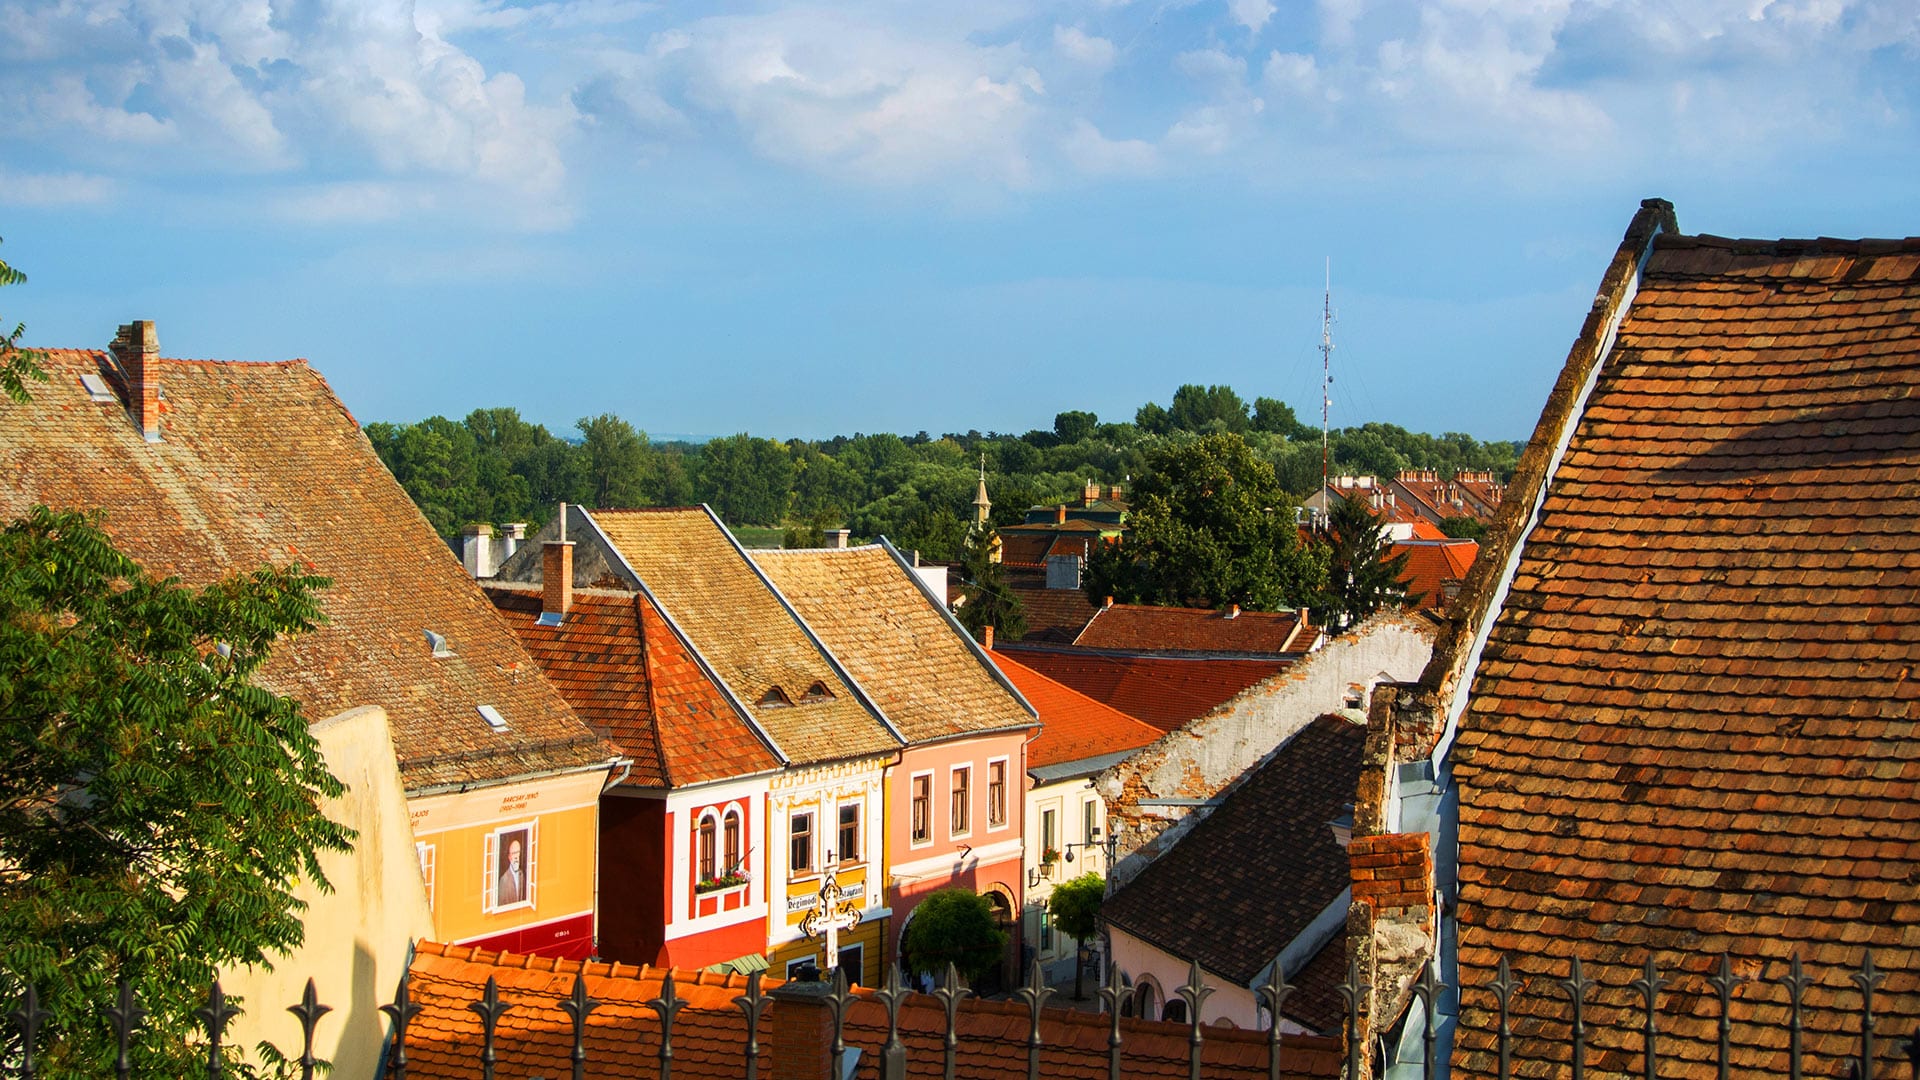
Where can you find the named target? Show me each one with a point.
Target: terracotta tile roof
(258, 464)
(1163, 691)
(534, 1037)
(1265, 860)
(1693, 725)
(912, 660)
(1433, 565)
(1075, 727)
(620, 665)
(1143, 628)
(1052, 614)
(708, 586)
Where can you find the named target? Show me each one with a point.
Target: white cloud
(1091, 152)
(1252, 14)
(54, 189)
(1083, 48)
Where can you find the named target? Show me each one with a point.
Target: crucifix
(827, 916)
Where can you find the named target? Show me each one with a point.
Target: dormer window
(817, 692)
(774, 698)
(437, 643)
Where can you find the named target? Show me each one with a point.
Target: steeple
(982, 504)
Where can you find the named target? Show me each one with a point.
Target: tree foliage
(1361, 577)
(1211, 527)
(1075, 905)
(18, 366)
(990, 601)
(917, 491)
(953, 926)
(157, 809)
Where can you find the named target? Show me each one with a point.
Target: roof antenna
(1326, 377)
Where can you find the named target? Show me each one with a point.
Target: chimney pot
(1233, 611)
(556, 580)
(137, 349)
(986, 637)
(1109, 603)
(1060, 514)
(512, 533)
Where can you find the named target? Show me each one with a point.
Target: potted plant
(728, 880)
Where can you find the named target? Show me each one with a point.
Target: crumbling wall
(1200, 760)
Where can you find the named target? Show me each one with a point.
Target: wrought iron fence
(29, 1035)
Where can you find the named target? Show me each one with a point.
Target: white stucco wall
(1200, 759)
(359, 935)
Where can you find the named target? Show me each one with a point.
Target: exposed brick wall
(1392, 870)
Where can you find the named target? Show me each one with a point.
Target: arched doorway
(1008, 975)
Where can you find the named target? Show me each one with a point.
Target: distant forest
(916, 490)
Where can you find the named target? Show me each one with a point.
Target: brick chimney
(137, 349)
(802, 1042)
(1092, 492)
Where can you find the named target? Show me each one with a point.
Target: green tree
(990, 601)
(157, 809)
(1273, 415)
(1464, 527)
(1211, 527)
(1208, 408)
(616, 461)
(17, 365)
(1075, 908)
(1361, 578)
(748, 481)
(953, 926)
(1073, 426)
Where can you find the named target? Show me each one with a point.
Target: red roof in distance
(1074, 727)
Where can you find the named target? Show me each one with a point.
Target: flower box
(730, 881)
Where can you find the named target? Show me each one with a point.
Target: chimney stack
(515, 531)
(556, 575)
(986, 637)
(837, 538)
(137, 349)
(801, 1045)
(477, 551)
(1233, 611)
(1092, 492)
(1060, 514)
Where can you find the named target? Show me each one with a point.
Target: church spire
(982, 504)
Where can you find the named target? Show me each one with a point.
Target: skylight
(493, 718)
(96, 387)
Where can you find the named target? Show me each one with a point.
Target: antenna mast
(1326, 377)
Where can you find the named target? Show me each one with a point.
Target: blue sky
(800, 219)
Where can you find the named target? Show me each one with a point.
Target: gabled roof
(1264, 860)
(1074, 726)
(906, 652)
(1692, 728)
(1056, 615)
(1433, 565)
(259, 464)
(746, 633)
(1166, 692)
(535, 1037)
(1144, 628)
(621, 666)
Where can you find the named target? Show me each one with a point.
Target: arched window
(1176, 1012)
(1146, 1000)
(706, 848)
(731, 830)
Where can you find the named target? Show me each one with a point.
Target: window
(706, 846)
(426, 853)
(922, 808)
(774, 698)
(511, 867)
(801, 841)
(962, 822)
(817, 692)
(1175, 1012)
(1046, 930)
(850, 832)
(996, 793)
(731, 831)
(1089, 821)
(1048, 836)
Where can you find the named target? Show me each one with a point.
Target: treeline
(916, 490)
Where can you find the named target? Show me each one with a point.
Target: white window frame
(1090, 819)
(913, 841)
(1006, 794)
(490, 867)
(429, 858)
(952, 770)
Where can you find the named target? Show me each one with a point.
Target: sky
(801, 219)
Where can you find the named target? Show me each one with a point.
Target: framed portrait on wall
(511, 867)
